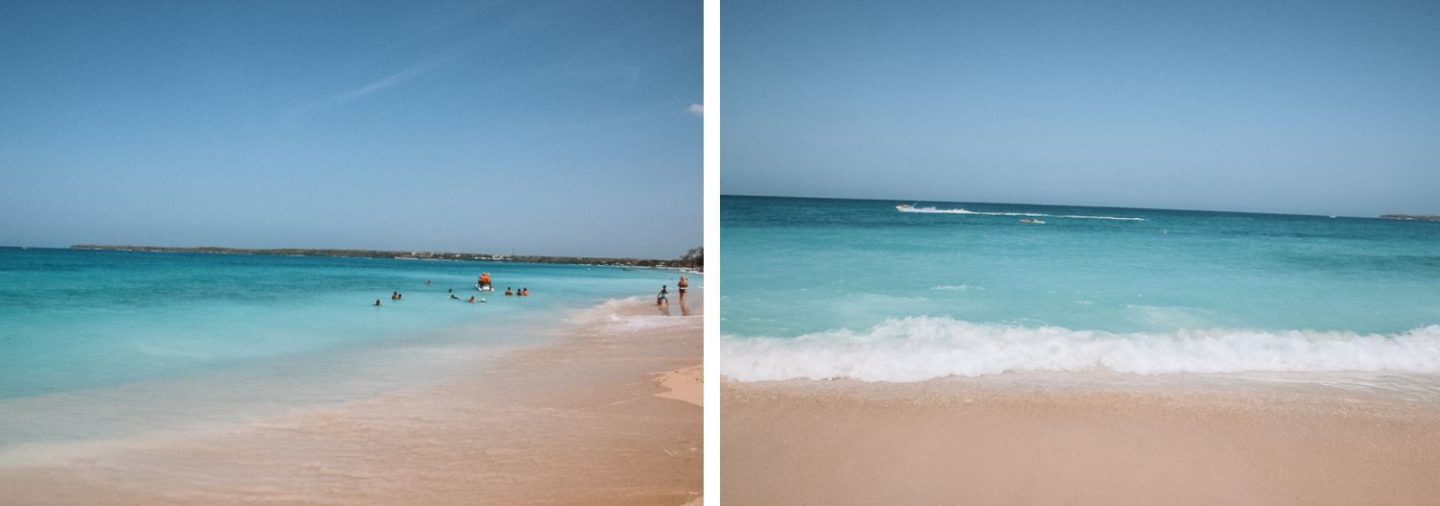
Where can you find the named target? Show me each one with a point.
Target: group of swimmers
(485, 285)
(395, 296)
(472, 297)
(482, 284)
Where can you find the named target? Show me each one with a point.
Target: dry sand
(577, 422)
(958, 441)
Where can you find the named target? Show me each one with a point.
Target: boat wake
(934, 210)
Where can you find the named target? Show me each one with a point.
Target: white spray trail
(933, 210)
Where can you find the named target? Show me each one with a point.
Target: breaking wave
(921, 348)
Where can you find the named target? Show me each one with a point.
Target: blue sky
(1293, 107)
(528, 127)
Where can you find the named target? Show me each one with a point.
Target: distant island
(693, 259)
(1410, 217)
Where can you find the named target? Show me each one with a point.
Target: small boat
(904, 208)
(1033, 221)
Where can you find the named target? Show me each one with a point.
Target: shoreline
(1068, 439)
(573, 420)
(684, 385)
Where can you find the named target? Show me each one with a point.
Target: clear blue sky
(529, 127)
(1294, 107)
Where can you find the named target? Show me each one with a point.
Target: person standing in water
(661, 298)
(683, 285)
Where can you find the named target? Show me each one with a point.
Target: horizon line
(881, 199)
(115, 247)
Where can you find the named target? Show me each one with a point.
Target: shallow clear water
(82, 319)
(857, 288)
(105, 343)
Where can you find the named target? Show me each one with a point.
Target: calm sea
(97, 344)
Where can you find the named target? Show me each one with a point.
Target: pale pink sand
(959, 441)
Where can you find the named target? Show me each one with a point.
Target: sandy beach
(607, 413)
(1065, 439)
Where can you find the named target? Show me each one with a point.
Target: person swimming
(472, 299)
(377, 302)
(509, 292)
(661, 298)
(394, 295)
(453, 297)
(524, 292)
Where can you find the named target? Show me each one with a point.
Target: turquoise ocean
(827, 288)
(101, 344)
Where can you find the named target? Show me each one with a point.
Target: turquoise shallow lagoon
(827, 288)
(97, 344)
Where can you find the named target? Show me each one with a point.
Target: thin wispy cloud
(393, 79)
(444, 57)
(696, 109)
(497, 31)
(448, 17)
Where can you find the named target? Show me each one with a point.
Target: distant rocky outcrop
(1411, 217)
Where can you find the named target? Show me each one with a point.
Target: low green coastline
(693, 259)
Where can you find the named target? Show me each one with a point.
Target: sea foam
(636, 314)
(921, 348)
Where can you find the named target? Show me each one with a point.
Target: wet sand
(975, 441)
(684, 385)
(575, 422)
